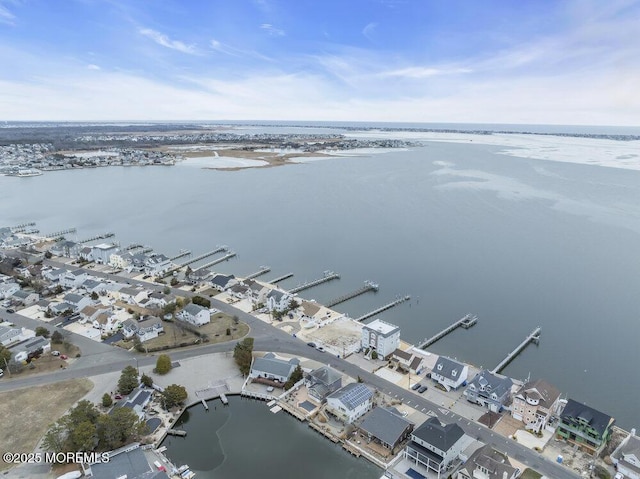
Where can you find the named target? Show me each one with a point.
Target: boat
(33, 172)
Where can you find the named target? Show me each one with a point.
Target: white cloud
(271, 30)
(165, 41)
(6, 16)
(91, 66)
(369, 30)
(424, 72)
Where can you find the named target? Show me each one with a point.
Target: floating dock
(260, 272)
(216, 261)
(98, 237)
(181, 254)
(466, 322)
(327, 276)
(176, 432)
(280, 278)
(204, 403)
(395, 302)
(534, 337)
(224, 399)
(58, 234)
(368, 286)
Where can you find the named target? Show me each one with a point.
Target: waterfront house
(197, 276)
(102, 252)
(321, 382)
(450, 374)
(77, 301)
(137, 401)
(149, 328)
(585, 427)
(386, 427)
(257, 291)
(407, 361)
(489, 390)
(278, 300)
(8, 289)
(120, 259)
(31, 348)
(380, 336)
(73, 279)
(26, 298)
(194, 314)
(535, 403)
(157, 264)
(626, 457)
(435, 446)
(239, 291)
(66, 248)
(487, 463)
(350, 402)
(222, 282)
(270, 367)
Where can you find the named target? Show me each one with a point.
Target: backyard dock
(176, 432)
(466, 322)
(395, 302)
(260, 272)
(97, 237)
(533, 337)
(218, 249)
(227, 256)
(368, 286)
(280, 278)
(224, 399)
(61, 233)
(181, 254)
(22, 227)
(327, 276)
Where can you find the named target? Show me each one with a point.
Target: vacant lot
(28, 413)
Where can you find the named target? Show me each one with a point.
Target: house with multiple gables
(148, 328)
(350, 402)
(271, 367)
(31, 348)
(584, 426)
(407, 361)
(77, 301)
(435, 446)
(73, 279)
(156, 264)
(10, 335)
(277, 300)
(489, 390)
(54, 274)
(25, 298)
(487, 463)
(8, 289)
(386, 426)
(159, 300)
(450, 374)
(194, 314)
(222, 282)
(257, 291)
(321, 382)
(626, 457)
(66, 248)
(197, 276)
(535, 403)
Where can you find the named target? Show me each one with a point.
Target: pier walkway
(97, 237)
(260, 272)
(395, 302)
(218, 249)
(59, 234)
(327, 276)
(534, 337)
(368, 286)
(280, 278)
(181, 254)
(466, 322)
(216, 261)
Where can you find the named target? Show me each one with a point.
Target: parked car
(416, 386)
(118, 396)
(313, 345)
(10, 310)
(422, 389)
(64, 356)
(55, 353)
(270, 389)
(320, 348)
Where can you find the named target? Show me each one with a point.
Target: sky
(572, 62)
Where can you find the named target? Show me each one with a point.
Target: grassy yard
(28, 413)
(530, 474)
(47, 363)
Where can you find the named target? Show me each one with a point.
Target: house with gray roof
(585, 427)
(626, 457)
(73, 279)
(27, 298)
(9, 335)
(31, 347)
(128, 461)
(222, 282)
(321, 382)
(489, 390)
(436, 446)
(194, 314)
(270, 367)
(67, 248)
(156, 264)
(149, 328)
(8, 289)
(450, 374)
(77, 301)
(277, 300)
(386, 427)
(199, 275)
(488, 463)
(59, 308)
(535, 403)
(54, 274)
(350, 402)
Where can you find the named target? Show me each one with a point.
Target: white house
(10, 335)
(77, 301)
(489, 390)
(222, 282)
(93, 286)
(156, 264)
(26, 298)
(73, 279)
(8, 289)
(626, 457)
(102, 252)
(54, 274)
(449, 374)
(350, 402)
(534, 404)
(194, 314)
(270, 367)
(380, 336)
(277, 300)
(257, 292)
(22, 351)
(149, 328)
(487, 463)
(120, 259)
(129, 328)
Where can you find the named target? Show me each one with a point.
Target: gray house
(321, 382)
(489, 390)
(488, 463)
(270, 367)
(386, 426)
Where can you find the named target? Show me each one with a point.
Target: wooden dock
(395, 302)
(260, 272)
(280, 278)
(466, 322)
(533, 337)
(181, 254)
(97, 237)
(327, 276)
(224, 399)
(227, 256)
(61, 233)
(219, 249)
(204, 403)
(368, 286)
(176, 432)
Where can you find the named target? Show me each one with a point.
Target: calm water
(245, 439)
(520, 242)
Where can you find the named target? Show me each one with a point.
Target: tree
(119, 427)
(374, 355)
(83, 437)
(173, 395)
(137, 344)
(243, 354)
(146, 380)
(174, 282)
(55, 438)
(42, 331)
(169, 308)
(167, 289)
(293, 304)
(84, 411)
(57, 337)
(296, 376)
(200, 301)
(163, 364)
(5, 356)
(94, 296)
(128, 380)
(106, 400)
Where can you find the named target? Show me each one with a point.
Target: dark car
(313, 345)
(422, 389)
(11, 310)
(416, 386)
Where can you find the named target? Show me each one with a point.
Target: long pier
(219, 249)
(260, 272)
(466, 322)
(216, 261)
(395, 302)
(22, 228)
(176, 432)
(133, 246)
(58, 234)
(368, 286)
(280, 278)
(98, 237)
(181, 254)
(533, 337)
(327, 276)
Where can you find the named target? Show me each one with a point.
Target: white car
(55, 353)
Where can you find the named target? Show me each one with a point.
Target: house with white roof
(449, 373)
(156, 264)
(194, 314)
(10, 335)
(73, 279)
(102, 252)
(8, 289)
(77, 301)
(350, 402)
(626, 457)
(380, 336)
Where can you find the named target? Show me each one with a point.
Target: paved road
(99, 359)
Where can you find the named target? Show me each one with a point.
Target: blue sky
(525, 61)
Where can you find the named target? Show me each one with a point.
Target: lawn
(28, 413)
(530, 474)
